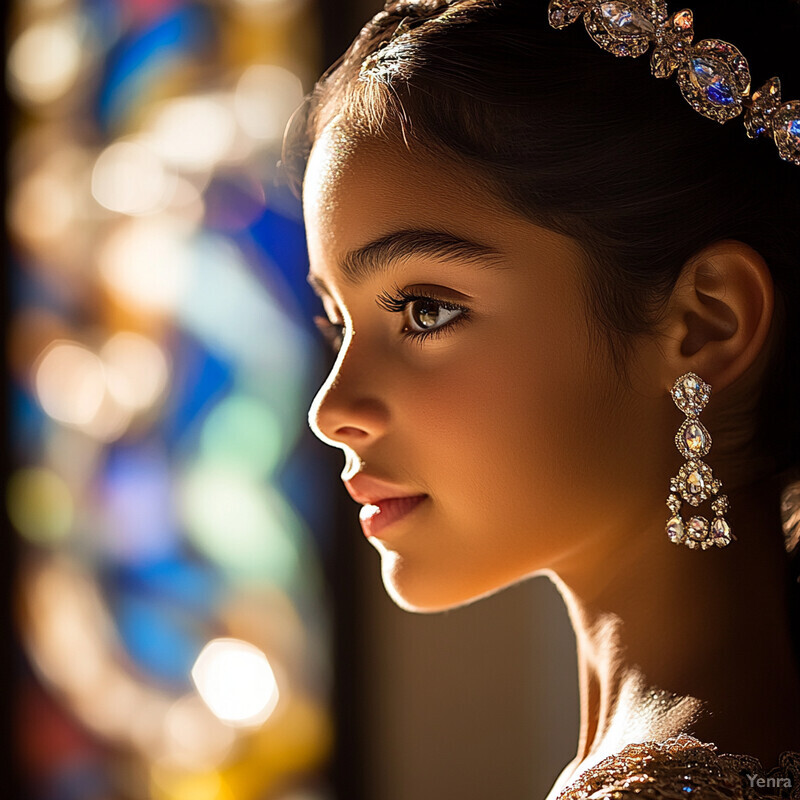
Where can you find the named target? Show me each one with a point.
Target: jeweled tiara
(713, 75)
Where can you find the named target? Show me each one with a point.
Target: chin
(426, 594)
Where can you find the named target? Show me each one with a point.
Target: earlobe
(719, 314)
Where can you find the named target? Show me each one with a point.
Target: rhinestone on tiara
(713, 76)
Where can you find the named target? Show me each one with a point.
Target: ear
(718, 315)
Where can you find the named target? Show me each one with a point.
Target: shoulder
(684, 768)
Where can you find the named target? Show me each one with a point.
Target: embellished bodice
(683, 767)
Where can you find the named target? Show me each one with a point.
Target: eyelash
(396, 304)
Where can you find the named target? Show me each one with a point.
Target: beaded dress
(684, 767)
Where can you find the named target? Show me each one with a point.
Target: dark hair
(597, 148)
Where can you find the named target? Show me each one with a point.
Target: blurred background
(194, 613)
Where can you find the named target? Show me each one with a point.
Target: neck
(674, 640)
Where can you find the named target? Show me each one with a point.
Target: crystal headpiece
(713, 75)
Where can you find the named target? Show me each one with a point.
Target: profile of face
(492, 394)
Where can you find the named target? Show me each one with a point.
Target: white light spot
(44, 60)
(130, 178)
(193, 133)
(70, 383)
(236, 682)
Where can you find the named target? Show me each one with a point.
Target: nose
(346, 409)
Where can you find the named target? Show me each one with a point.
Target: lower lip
(374, 518)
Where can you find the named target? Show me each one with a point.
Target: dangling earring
(695, 481)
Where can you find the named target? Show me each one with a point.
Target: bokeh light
(130, 178)
(173, 132)
(146, 263)
(70, 383)
(236, 682)
(40, 505)
(44, 60)
(172, 610)
(136, 369)
(239, 524)
(243, 433)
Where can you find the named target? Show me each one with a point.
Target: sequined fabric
(683, 767)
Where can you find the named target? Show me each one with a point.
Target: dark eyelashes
(396, 304)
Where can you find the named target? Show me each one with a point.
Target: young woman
(551, 281)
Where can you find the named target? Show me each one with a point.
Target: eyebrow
(376, 257)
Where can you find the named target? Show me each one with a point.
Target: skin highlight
(538, 458)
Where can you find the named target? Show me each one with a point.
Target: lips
(366, 489)
(383, 503)
(374, 518)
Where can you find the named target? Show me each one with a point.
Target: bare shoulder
(684, 768)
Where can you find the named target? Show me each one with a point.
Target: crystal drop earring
(695, 481)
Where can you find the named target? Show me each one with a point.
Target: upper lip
(366, 489)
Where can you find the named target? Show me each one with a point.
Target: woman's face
(508, 415)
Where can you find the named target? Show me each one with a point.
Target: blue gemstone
(720, 95)
(703, 68)
(705, 75)
(759, 130)
(794, 128)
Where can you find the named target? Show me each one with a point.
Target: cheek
(519, 424)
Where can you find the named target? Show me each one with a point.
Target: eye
(429, 314)
(425, 315)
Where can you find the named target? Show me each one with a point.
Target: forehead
(357, 187)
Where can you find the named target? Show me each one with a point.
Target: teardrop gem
(695, 438)
(675, 530)
(720, 532)
(621, 18)
(712, 80)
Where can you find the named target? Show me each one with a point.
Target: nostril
(340, 418)
(351, 432)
